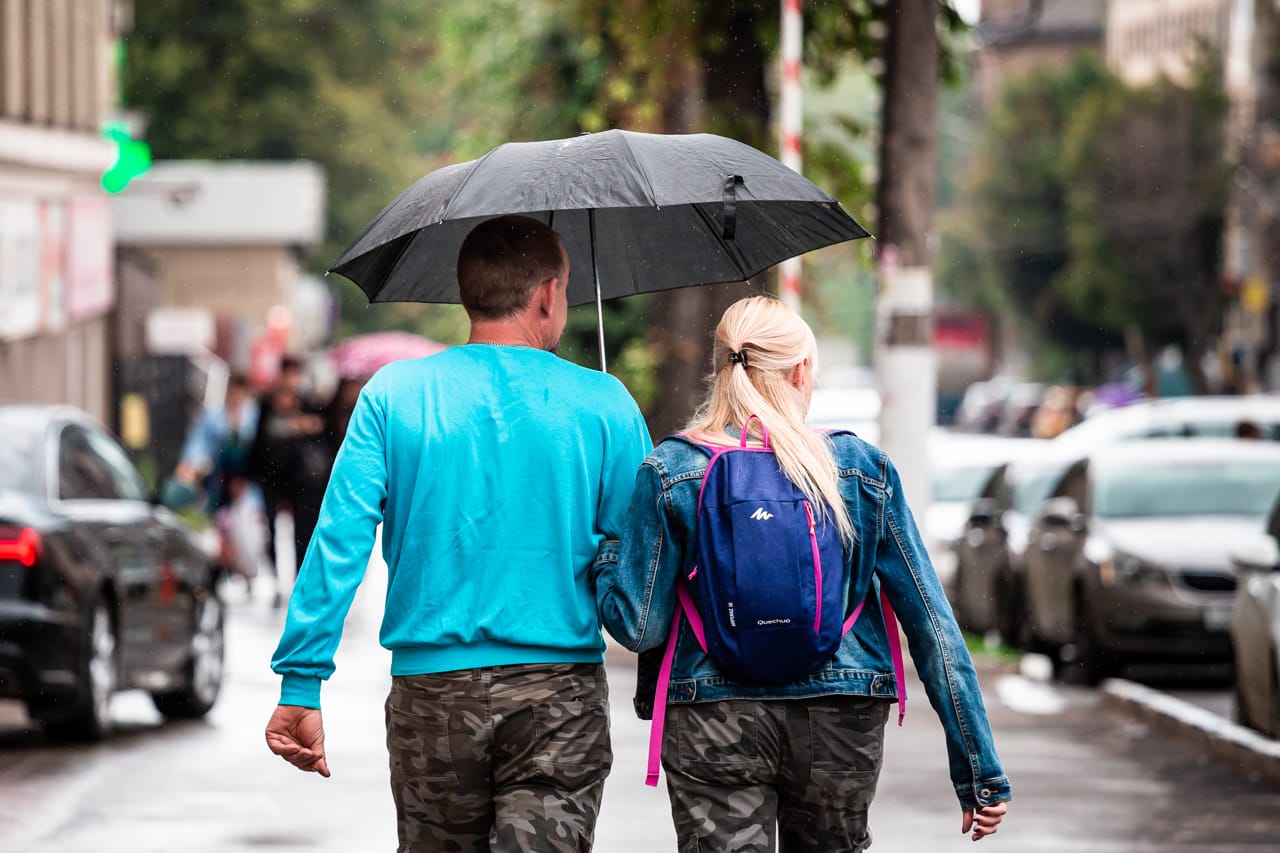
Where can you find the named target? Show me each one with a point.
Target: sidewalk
(1210, 730)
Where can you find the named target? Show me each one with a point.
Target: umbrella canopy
(361, 356)
(637, 212)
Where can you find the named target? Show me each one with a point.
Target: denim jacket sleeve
(939, 652)
(635, 578)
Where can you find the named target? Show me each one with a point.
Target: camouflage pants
(505, 758)
(744, 775)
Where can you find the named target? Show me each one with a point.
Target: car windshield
(1186, 488)
(960, 484)
(19, 442)
(1032, 485)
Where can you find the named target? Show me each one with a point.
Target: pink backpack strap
(895, 650)
(684, 610)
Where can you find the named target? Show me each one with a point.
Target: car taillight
(19, 544)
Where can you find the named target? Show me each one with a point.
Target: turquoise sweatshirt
(496, 472)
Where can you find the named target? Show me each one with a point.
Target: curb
(1221, 738)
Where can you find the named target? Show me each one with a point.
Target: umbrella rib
(444, 214)
(717, 232)
(635, 161)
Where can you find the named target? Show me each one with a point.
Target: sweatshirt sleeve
(337, 557)
(627, 447)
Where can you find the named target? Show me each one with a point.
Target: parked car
(962, 469)
(101, 589)
(851, 407)
(1255, 629)
(988, 589)
(1174, 417)
(1128, 558)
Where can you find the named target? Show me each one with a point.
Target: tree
(287, 80)
(1147, 181)
(1019, 194)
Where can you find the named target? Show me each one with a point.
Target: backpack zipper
(817, 569)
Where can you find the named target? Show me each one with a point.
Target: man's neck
(507, 333)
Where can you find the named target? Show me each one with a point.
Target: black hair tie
(739, 357)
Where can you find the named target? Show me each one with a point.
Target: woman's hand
(984, 821)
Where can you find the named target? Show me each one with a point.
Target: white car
(1173, 417)
(1255, 629)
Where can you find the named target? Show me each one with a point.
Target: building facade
(1016, 37)
(57, 283)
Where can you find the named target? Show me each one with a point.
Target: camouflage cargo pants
(744, 775)
(506, 758)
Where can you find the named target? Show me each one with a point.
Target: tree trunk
(908, 133)
(905, 363)
(728, 82)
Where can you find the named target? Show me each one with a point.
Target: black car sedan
(101, 589)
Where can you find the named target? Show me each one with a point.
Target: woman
(750, 765)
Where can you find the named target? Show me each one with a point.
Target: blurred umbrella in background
(638, 212)
(358, 358)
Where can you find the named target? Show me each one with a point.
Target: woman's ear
(799, 375)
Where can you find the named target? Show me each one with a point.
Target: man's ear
(546, 296)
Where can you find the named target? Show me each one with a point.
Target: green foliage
(1148, 186)
(333, 81)
(1101, 208)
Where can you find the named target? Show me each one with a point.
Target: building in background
(210, 259)
(219, 249)
(1016, 37)
(57, 287)
(1152, 39)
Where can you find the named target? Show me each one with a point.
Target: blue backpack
(770, 576)
(765, 598)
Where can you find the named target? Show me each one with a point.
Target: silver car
(1128, 558)
(1255, 629)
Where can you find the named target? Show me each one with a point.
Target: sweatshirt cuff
(302, 690)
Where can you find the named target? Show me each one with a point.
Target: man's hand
(985, 821)
(296, 734)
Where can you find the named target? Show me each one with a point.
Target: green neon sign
(133, 157)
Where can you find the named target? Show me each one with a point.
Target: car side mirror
(1260, 554)
(1064, 512)
(984, 512)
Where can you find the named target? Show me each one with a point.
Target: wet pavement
(1086, 777)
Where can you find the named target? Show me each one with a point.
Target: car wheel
(1011, 622)
(89, 719)
(1087, 661)
(1273, 715)
(1244, 714)
(960, 610)
(202, 679)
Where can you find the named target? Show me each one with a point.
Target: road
(1085, 778)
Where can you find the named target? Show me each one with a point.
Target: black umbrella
(638, 212)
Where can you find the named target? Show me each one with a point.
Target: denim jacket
(636, 581)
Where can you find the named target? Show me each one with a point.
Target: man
(496, 468)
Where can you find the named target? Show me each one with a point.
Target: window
(91, 466)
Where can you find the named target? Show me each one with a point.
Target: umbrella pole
(595, 269)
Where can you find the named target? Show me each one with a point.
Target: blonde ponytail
(774, 340)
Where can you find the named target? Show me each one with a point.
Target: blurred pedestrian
(751, 767)
(280, 460)
(496, 470)
(215, 460)
(215, 451)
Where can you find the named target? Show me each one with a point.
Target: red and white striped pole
(792, 42)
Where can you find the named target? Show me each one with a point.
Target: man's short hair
(502, 261)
